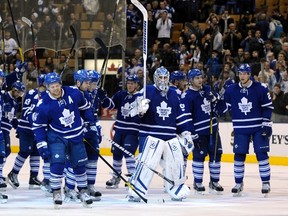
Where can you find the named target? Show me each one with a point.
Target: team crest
(206, 108)
(163, 110)
(245, 106)
(129, 109)
(68, 118)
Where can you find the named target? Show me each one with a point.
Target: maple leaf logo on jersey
(163, 110)
(129, 109)
(245, 106)
(206, 108)
(125, 110)
(68, 118)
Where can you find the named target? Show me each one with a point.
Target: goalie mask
(161, 79)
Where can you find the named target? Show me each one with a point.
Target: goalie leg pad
(151, 155)
(173, 163)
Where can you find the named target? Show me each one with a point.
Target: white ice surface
(24, 202)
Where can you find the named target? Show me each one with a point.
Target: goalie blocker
(170, 156)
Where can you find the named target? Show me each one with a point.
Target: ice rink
(24, 202)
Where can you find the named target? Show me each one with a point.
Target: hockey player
(126, 128)
(198, 103)
(26, 140)
(178, 81)
(162, 119)
(251, 109)
(58, 130)
(82, 80)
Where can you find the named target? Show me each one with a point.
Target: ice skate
(265, 188)
(237, 189)
(34, 183)
(94, 194)
(71, 195)
(3, 184)
(3, 198)
(215, 187)
(85, 199)
(13, 180)
(199, 188)
(113, 183)
(45, 187)
(57, 199)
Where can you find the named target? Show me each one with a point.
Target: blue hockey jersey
(64, 116)
(8, 115)
(165, 117)
(127, 120)
(199, 108)
(249, 106)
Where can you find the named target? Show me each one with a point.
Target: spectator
(224, 22)
(278, 103)
(263, 26)
(164, 25)
(232, 39)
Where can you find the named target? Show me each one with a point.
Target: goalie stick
(145, 37)
(71, 49)
(17, 37)
(126, 182)
(131, 155)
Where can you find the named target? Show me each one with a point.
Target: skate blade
(212, 191)
(266, 195)
(34, 187)
(57, 206)
(97, 199)
(199, 193)
(3, 189)
(68, 200)
(111, 187)
(177, 199)
(3, 201)
(86, 205)
(237, 194)
(12, 185)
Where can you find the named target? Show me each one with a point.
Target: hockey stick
(17, 37)
(105, 51)
(71, 50)
(3, 43)
(110, 43)
(145, 36)
(119, 175)
(142, 162)
(30, 24)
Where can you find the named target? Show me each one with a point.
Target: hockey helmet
(177, 75)
(19, 86)
(133, 78)
(81, 76)
(52, 77)
(194, 73)
(244, 68)
(94, 75)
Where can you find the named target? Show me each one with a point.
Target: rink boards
(278, 142)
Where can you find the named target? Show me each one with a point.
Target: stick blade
(102, 45)
(73, 32)
(27, 21)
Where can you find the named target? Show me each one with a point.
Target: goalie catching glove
(143, 106)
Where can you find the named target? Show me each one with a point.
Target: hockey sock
(198, 170)
(91, 170)
(46, 171)
(264, 166)
(117, 165)
(19, 162)
(214, 167)
(34, 164)
(56, 170)
(130, 164)
(239, 167)
(81, 177)
(70, 180)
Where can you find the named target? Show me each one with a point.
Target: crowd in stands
(210, 38)
(216, 43)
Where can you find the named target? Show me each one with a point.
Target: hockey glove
(102, 94)
(90, 131)
(143, 106)
(43, 150)
(14, 123)
(21, 69)
(187, 145)
(266, 129)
